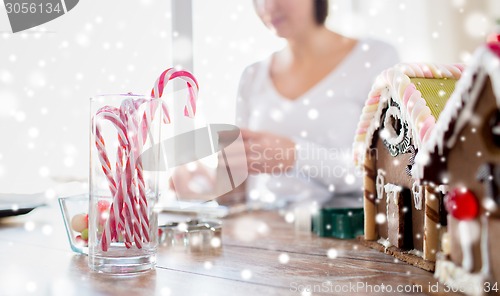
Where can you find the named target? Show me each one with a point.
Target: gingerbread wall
(394, 168)
(474, 147)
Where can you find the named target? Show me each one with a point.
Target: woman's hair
(320, 11)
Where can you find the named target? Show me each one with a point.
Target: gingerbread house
(404, 216)
(463, 152)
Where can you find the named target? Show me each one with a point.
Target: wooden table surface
(36, 260)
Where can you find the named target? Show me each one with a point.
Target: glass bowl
(70, 207)
(193, 235)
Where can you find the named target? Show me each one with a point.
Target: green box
(344, 223)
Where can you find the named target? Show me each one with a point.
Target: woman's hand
(267, 152)
(192, 182)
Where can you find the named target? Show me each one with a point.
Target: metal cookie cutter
(193, 235)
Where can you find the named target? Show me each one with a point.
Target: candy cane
(132, 178)
(159, 86)
(142, 198)
(117, 211)
(192, 84)
(128, 212)
(127, 231)
(106, 113)
(132, 216)
(103, 158)
(116, 221)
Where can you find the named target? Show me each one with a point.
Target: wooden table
(36, 260)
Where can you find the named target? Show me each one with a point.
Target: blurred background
(48, 73)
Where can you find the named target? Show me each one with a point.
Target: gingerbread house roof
(457, 112)
(421, 91)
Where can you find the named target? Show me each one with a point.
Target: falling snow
(277, 115)
(380, 218)
(47, 230)
(29, 226)
(215, 242)
(208, 265)
(284, 258)
(332, 253)
(349, 179)
(6, 77)
(313, 114)
(289, 217)
(246, 274)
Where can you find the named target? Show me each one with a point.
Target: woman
(298, 109)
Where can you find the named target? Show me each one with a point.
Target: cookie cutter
(193, 235)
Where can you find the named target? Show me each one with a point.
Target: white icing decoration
(392, 190)
(379, 183)
(484, 63)
(384, 242)
(443, 189)
(392, 83)
(393, 138)
(416, 253)
(459, 279)
(389, 187)
(468, 111)
(417, 195)
(469, 233)
(485, 255)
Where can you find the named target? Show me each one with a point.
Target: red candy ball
(103, 206)
(80, 241)
(495, 47)
(462, 204)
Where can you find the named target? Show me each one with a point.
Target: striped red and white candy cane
(116, 222)
(112, 114)
(128, 212)
(192, 84)
(119, 175)
(103, 158)
(142, 198)
(129, 115)
(109, 114)
(125, 228)
(138, 176)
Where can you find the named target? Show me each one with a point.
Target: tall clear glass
(123, 226)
